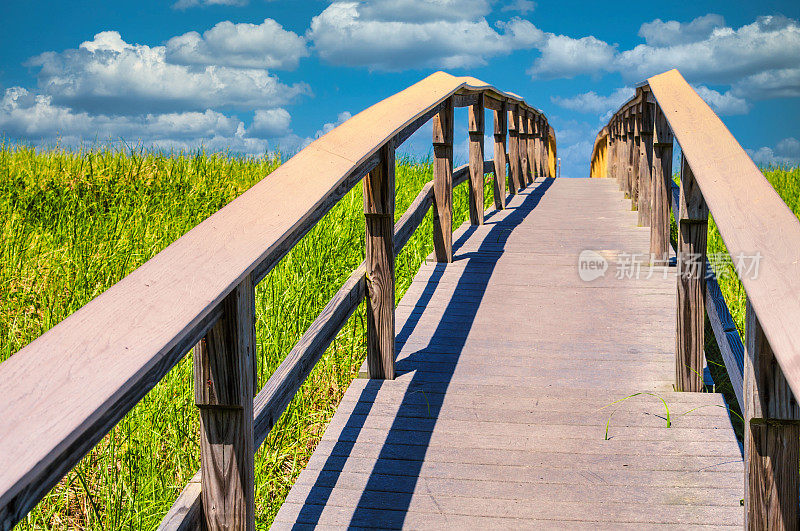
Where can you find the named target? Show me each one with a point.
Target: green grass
(73, 224)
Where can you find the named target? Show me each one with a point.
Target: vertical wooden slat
(692, 234)
(515, 183)
(612, 150)
(771, 438)
(620, 153)
(476, 118)
(443, 182)
(532, 140)
(635, 159)
(645, 160)
(546, 149)
(660, 188)
(379, 192)
(524, 151)
(628, 161)
(223, 386)
(500, 130)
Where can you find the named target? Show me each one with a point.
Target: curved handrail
(64, 391)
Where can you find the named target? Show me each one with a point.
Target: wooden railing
(718, 177)
(63, 392)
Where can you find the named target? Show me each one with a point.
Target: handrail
(719, 178)
(67, 389)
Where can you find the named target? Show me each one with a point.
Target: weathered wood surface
(508, 367)
(64, 392)
(748, 212)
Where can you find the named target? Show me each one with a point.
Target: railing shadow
(387, 495)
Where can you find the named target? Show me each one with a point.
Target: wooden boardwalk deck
(506, 359)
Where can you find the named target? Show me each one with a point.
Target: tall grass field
(74, 223)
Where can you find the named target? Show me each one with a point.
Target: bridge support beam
(692, 234)
(634, 157)
(443, 183)
(475, 126)
(515, 183)
(645, 159)
(771, 437)
(379, 192)
(500, 130)
(533, 162)
(660, 189)
(223, 390)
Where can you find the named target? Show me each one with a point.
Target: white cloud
(672, 32)
(341, 118)
(265, 45)
(565, 57)
(109, 76)
(522, 6)
(268, 123)
(591, 102)
(785, 152)
(382, 36)
(185, 4)
(725, 56)
(783, 83)
(723, 103)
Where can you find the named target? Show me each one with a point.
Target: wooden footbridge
(544, 369)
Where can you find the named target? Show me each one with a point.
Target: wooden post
(523, 146)
(635, 158)
(379, 191)
(223, 390)
(628, 161)
(620, 154)
(645, 159)
(692, 233)
(612, 149)
(443, 182)
(660, 189)
(500, 129)
(533, 163)
(546, 150)
(513, 149)
(771, 436)
(476, 118)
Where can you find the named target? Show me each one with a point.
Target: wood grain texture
(533, 145)
(635, 151)
(514, 162)
(645, 162)
(748, 212)
(772, 436)
(660, 189)
(223, 382)
(379, 192)
(443, 184)
(524, 141)
(500, 132)
(111, 352)
(692, 233)
(475, 114)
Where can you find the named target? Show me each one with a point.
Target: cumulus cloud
(565, 57)
(185, 4)
(269, 123)
(591, 102)
(389, 35)
(723, 103)
(265, 45)
(785, 152)
(672, 32)
(782, 83)
(108, 75)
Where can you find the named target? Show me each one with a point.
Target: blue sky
(257, 75)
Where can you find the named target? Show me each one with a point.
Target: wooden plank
(646, 132)
(772, 437)
(748, 212)
(515, 165)
(500, 131)
(660, 189)
(524, 140)
(443, 184)
(692, 233)
(105, 364)
(223, 387)
(379, 192)
(476, 162)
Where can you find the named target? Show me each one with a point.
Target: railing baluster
(476, 118)
(500, 130)
(223, 387)
(443, 182)
(513, 149)
(546, 149)
(660, 188)
(537, 145)
(524, 140)
(692, 234)
(771, 438)
(620, 153)
(379, 194)
(645, 159)
(635, 158)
